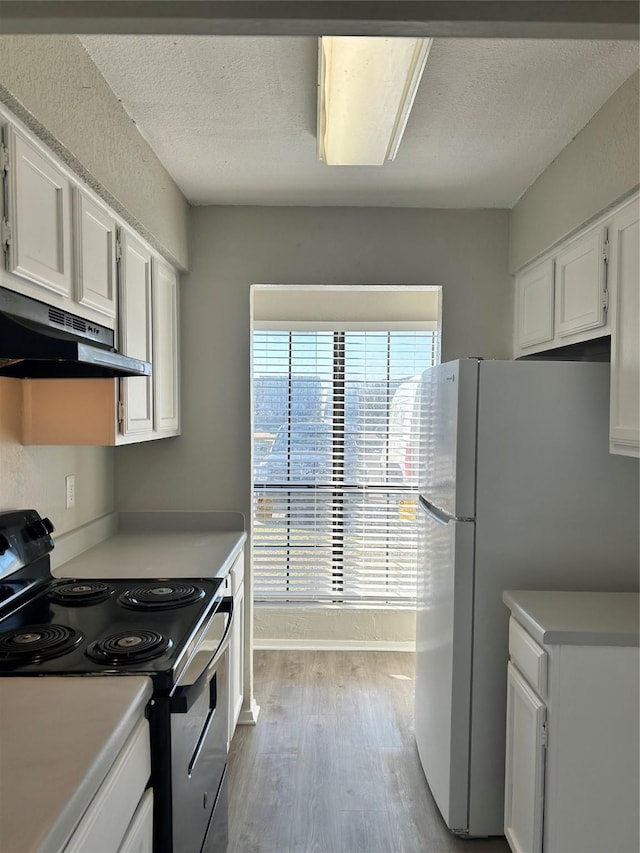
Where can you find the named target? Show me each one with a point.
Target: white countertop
(152, 545)
(58, 739)
(156, 555)
(577, 618)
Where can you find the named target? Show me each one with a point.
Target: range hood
(39, 341)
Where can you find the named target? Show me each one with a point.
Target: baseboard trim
(334, 645)
(249, 716)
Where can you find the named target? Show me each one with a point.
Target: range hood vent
(39, 341)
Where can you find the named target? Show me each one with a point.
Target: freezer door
(448, 436)
(443, 661)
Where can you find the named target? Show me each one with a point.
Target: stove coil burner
(80, 592)
(35, 643)
(128, 647)
(161, 596)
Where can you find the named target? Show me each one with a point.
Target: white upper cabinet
(534, 305)
(95, 233)
(581, 296)
(624, 282)
(165, 349)
(563, 298)
(39, 219)
(136, 333)
(64, 246)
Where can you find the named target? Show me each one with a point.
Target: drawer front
(528, 657)
(105, 822)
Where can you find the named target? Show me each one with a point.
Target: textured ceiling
(233, 118)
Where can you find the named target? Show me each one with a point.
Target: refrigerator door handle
(435, 513)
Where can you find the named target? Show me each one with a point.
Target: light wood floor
(331, 766)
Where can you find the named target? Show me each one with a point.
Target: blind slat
(336, 462)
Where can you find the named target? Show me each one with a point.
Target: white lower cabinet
(526, 735)
(236, 646)
(106, 823)
(571, 780)
(139, 835)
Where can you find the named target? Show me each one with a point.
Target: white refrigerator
(518, 491)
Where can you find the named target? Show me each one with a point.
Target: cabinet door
(136, 337)
(104, 823)
(534, 295)
(139, 835)
(580, 285)
(524, 771)
(236, 661)
(95, 232)
(40, 217)
(165, 349)
(624, 278)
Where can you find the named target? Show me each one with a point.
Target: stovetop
(108, 628)
(93, 627)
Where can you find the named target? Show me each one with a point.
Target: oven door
(199, 709)
(217, 838)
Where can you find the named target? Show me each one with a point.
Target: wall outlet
(70, 491)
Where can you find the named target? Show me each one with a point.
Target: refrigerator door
(444, 632)
(448, 437)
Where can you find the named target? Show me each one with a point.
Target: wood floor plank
(332, 766)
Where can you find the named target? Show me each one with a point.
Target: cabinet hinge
(543, 735)
(5, 234)
(118, 250)
(4, 158)
(605, 250)
(605, 300)
(120, 412)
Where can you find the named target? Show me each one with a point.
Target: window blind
(336, 463)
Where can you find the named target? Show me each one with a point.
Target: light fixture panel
(366, 90)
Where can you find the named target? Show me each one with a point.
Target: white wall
(53, 86)
(598, 168)
(208, 467)
(33, 477)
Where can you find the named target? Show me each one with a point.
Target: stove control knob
(4, 544)
(48, 525)
(35, 531)
(29, 533)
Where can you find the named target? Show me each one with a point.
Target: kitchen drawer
(139, 835)
(528, 657)
(104, 824)
(235, 578)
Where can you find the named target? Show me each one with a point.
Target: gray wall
(597, 168)
(232, 248)
(53, 86)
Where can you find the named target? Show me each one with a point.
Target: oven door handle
(186, 694)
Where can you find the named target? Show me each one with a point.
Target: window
(336, 463)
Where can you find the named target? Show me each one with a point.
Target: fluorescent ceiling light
(365, 94)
